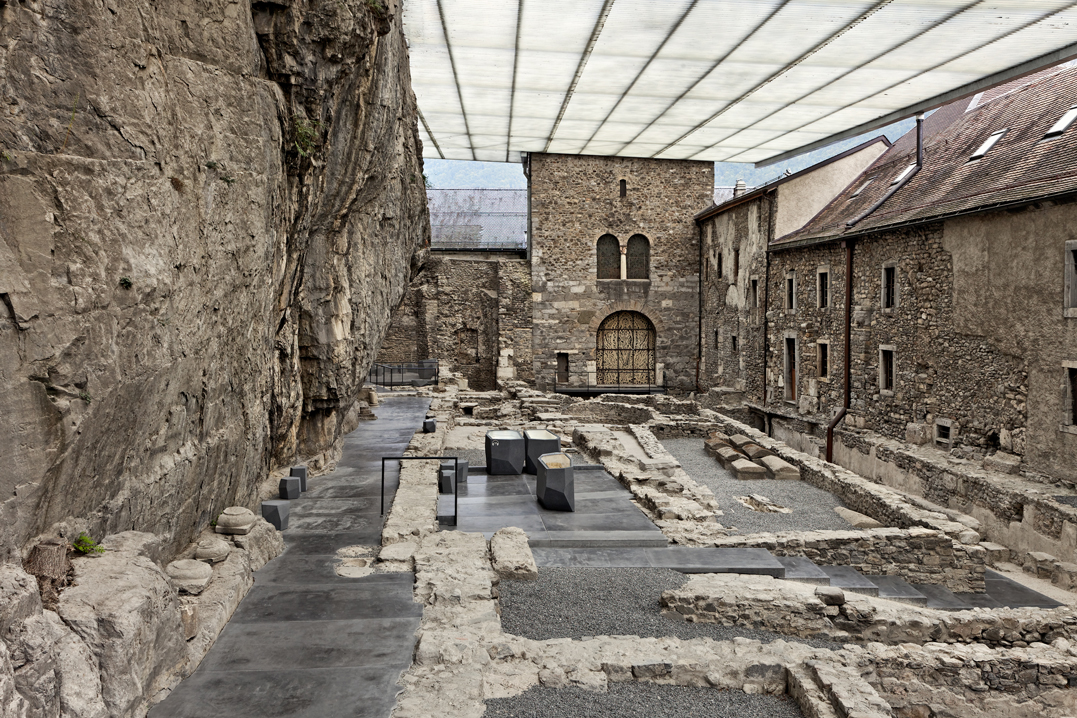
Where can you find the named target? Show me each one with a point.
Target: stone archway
(625, 349)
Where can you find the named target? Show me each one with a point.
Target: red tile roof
(1020, 168)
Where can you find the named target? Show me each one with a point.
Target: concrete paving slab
(803, 570)
(686, 559)
(895, 588)
(848, 579)
(598, 539)
(328, 602)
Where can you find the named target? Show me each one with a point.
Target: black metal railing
(456, 479)
(619, 387)
(421, 373)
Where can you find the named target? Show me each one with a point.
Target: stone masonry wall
(575, 200)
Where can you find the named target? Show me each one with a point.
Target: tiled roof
(1021, 167)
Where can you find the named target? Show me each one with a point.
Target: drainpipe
(848, 350)
(699, 330)
(893, 190)
(771, 219)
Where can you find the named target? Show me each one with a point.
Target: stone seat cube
(556, 484)
(504, 452)
(290, 487)
(276, 513)
(744, 469)
(430, 425)
(301, 473)
(536, 443)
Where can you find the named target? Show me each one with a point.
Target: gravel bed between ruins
(813, 509)
(580, 602)
(641, 700)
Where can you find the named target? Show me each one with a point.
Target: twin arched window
(637, 256)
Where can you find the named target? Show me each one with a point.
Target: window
(791, 290)
(790, 369)
(609, 257)
(736, 264)
(889, 289)
(717, 339)
(823, 360)
(755, 294)
(624, 188)
(562, 368)
(886, 370)
(987, 145)
(861, 188)
(943, 438)
(718, 267)
(733, 348)
(1071, 395)
(1071, 278)
(904, 173)
(824, 288)
(639, 257)
(1063, 124)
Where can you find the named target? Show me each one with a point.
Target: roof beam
(1026, 68)
(599, 24)
(515, 67)
(456, 79)
(429, 133)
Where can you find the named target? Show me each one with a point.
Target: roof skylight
(904, 173)
(861, 188)
(987, 145)
(1063, 123)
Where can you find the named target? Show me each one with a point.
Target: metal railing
(455, 484)
(592, 389)
(421, 373)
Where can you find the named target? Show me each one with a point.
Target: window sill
(1068, 429)
(648, 281)
(1070, 312)
(885, 392)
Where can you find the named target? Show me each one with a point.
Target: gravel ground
(609, 602)
(641, 700)
(813, 509)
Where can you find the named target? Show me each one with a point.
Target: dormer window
(904, 173)
(1063, 124)
(987, 145)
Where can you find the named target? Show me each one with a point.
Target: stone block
(726, 455)
(189, 619)
(1065, 575)
(536, 443)
(276, 513)
(996, 553)
(511, 556)
(720, 436)
(1039, 564)
(188, 575)
(430, 425)
(1003, 462)
(756, 452)
(212, 550)
(461, 471)
(235, 520)
(740, 440)
(856, 519)
(505, 452)
(918, 434)
(744, 469)
(830, 595)
(780, 469)
(301, 472)
(289, 488)
(445, 480)
(711, 446)
(556, 485)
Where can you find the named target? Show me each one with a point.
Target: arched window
(639, 257)
(609, 257)
(625, 349)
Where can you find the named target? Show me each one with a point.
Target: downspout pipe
(908, 178)
(699, 330)
(848, 351)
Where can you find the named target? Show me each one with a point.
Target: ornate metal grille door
(625, 352)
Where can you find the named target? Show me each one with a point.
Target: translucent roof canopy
(723, 80)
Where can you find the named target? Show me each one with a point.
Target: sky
(462, 174)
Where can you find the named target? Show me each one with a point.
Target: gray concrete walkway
(306, 643)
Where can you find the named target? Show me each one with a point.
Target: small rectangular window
(790, 369)
(1063, 124)
(942, 435)
(824, 290)
(755, 294)
(717, 339)
(718, 267)
(624, 188)
(733, 348)
(1071, 399)
(824, 360)
(736, 264)
(562, 368)
(987, 145)
(791, 291)
(889, 287)
(886, 369)
(1071, 278)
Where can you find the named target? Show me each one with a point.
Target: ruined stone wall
(734, 261)
(574, 201)
(473, 314)
(207, 211)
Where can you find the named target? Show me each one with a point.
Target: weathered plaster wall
(207, 211)
(473, 314)
(574, 201)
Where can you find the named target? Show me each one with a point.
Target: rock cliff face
(207, 212)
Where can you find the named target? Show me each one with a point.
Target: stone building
(614, 266)
(735, 289)
(963, 319)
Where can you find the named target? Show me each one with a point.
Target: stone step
(600, 539)
(799, 568)
(942, 598)
(894, 588)
(849, 579)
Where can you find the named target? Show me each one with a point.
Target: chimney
(740, 189)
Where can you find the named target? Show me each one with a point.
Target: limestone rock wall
(207, 212)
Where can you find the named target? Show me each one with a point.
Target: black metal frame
(398, 371)
(456, 479)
